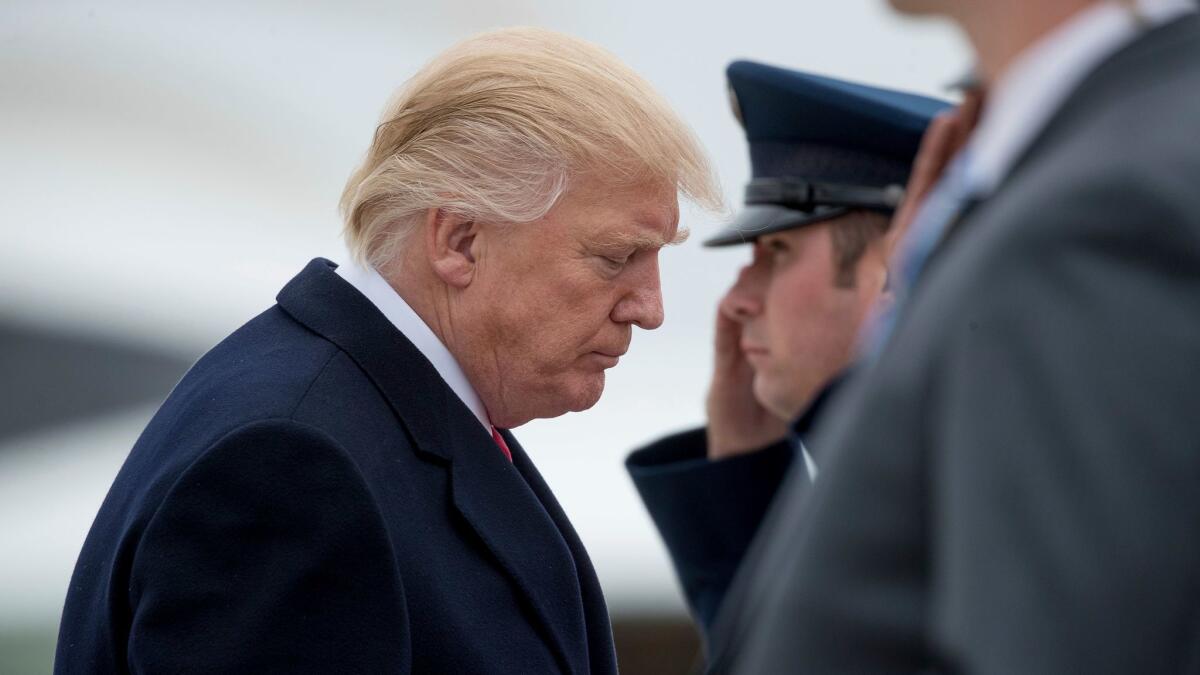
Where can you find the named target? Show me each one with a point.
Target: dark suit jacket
(1014, 487)
(312, 497)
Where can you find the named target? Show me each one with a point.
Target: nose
(744, 300)
(642, 304)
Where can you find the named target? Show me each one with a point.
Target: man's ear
(450, 246)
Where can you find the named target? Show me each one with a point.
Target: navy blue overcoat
(313, 498)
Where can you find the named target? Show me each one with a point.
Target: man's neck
(1001, 31)
(422, 296)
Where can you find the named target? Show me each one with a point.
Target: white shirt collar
(388, 301)
(1022, 101)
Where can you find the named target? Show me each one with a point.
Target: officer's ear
(875, 268)
(450, 245)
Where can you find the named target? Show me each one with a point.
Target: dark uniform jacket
(708, 512)
(313, 498)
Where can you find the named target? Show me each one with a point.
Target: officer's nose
(744, 300)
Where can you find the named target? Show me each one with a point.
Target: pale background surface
(168, 166)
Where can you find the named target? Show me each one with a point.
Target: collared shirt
(1019, 105)
(809, 464)
(385, 298)
(1022, 100)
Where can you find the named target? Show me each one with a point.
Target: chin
(777, 397)
(575, 396)
(587, 393)
(578, 392)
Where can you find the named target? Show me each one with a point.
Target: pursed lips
(753, 352)
(609, 358)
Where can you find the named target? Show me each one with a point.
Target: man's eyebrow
(641, 240)
(680, 237)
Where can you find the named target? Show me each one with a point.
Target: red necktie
(500, 442)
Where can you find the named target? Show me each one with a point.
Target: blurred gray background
(167, 166)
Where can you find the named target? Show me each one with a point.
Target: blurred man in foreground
(334, 488)
(1012, 486)
(830, 160)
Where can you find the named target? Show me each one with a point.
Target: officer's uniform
(819, 148)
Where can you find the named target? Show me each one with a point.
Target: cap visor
(755, 221)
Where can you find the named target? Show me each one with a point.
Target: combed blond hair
(496, 129)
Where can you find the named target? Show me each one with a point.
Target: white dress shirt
(808, 462)
(385, 298)
(1024, 98)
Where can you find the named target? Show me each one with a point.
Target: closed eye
(616, 262)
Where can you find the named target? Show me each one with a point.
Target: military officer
(830, 160)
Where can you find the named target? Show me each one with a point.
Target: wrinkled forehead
(643, 217)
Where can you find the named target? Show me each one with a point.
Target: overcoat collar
(506, 503)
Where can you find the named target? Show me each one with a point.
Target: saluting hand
(737, 422)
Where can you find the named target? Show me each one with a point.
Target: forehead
(805, 252)
(803, 235)
(643, 214)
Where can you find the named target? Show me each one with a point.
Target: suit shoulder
(1103, 215)
(1114, 172)
(1135, 120)
(272, 358)
(260, 372)
(281, 451)
(262, 534)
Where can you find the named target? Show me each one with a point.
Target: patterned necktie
(942, 208)
(500, 442)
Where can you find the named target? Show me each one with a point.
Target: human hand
(737, 422)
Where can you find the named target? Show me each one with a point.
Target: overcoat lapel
(488, 490)
(494, 498)
(601, 654)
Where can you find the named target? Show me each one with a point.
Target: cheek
(552, 322)
(794, 302)
(809, 318)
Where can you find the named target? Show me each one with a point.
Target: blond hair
(497, 127)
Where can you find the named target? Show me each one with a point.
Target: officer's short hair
(851, 235)
(499, 126)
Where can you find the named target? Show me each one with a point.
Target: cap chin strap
(803, 195)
